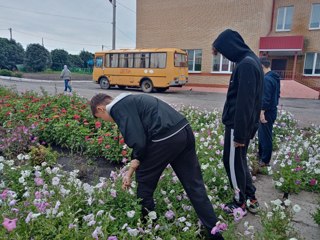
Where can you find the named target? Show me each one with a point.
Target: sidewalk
(289, 89)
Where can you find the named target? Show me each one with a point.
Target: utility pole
(113, 2)
(42, 43)
(10, 30)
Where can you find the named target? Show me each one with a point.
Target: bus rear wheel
(104, 83)
(146, 86)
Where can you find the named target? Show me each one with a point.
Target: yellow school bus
(150, 69)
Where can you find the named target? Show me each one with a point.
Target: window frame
(315, 58)
(220, 65)
(193, 60)
(284, 19)
(311, 14)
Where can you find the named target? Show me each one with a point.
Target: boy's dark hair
(99, 99)
(265, 62)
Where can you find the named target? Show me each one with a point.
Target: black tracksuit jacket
(243, 104)
(143, 119)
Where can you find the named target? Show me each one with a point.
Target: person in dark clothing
(240, 116)
(158, 136)
(270, 100)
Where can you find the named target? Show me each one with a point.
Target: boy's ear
(101, 108)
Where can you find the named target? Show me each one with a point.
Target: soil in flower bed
(90, 169)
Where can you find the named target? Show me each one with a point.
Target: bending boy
(159, 136)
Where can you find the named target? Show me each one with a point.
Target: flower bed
(30, 119)
(43, 202)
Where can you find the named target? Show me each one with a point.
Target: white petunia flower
(55, 181)
(296, 208)
(287, 202)
(152, 215)
(131, 214)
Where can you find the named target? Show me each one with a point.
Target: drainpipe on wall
(272, 16)
(271, 25)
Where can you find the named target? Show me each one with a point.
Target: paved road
(305, 110)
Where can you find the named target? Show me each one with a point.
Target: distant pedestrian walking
(66, 76)
(270, 100)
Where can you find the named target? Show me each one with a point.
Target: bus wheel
(104, 83)
(146, 86)
(122, 87)
(161, 89)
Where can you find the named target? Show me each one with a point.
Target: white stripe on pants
(232, 168)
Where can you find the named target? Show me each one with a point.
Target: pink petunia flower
(238, 214)
(39, 181)
(4, 194)
(219, 228)
(313, 182)
(10, 224)
(169, 214)
(112, 238)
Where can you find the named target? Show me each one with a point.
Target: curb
(34, 80)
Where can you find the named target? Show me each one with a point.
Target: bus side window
(145, 60)
(108, 61)
(123, 61)
(98, 62)
(137, 60)
(130, 60)
(114, 59)
(158, 60)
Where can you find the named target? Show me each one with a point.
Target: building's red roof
(283, 43)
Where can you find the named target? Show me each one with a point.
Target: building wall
(190, 24)
(300, 23)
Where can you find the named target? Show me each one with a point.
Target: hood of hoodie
(231, 45)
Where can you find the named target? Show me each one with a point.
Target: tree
(59, 59)
(86, 56)
(11, 54)
(37, 58)
(75, 61)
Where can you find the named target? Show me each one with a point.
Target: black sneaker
(230, 208)
(262, 164)
(253, 205)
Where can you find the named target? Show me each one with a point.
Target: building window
(284, 19)
(312, 64)
(315, 16)
(194, 60)
(221, 64)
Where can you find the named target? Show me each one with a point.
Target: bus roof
(134, 50)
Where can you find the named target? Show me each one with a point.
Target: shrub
(5, 72)
(40, 154)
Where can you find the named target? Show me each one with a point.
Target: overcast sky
(72, 25)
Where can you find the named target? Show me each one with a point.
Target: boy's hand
(236, 144)
(134, 164)
(126, 181)
(262, 117)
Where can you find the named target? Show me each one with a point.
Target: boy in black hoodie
(240, 116)
(158, 136)
(270, 100)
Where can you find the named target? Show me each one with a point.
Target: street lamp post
(113, 2)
